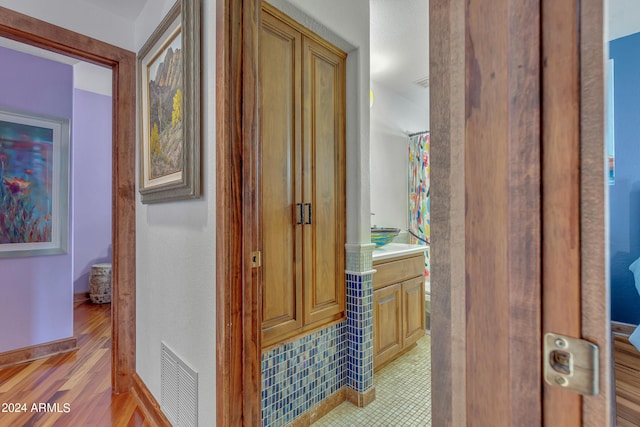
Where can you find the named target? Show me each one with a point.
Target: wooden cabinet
(398, 307)
(302, 178)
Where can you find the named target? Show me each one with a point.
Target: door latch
(256, 259)
(571, 363)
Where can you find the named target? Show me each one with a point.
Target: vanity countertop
(393, 250)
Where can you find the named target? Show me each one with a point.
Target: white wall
(175, 242)
(392, 118)
(175, 250)
(623, 18)
(79, 16)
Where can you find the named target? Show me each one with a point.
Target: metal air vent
(179, 390)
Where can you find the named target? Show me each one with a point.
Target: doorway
(486, 277)
(34, 32)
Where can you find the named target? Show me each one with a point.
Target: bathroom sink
(382, 236)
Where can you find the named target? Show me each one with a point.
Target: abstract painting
(34, 184)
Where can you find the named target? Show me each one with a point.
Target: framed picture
(169, 84)
(34, 187)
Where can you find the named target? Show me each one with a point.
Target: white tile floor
(403, 395)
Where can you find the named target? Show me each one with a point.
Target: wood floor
(72, 389)
(627, 376)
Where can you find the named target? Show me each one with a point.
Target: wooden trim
(595, 288)
(320, 410)
(38, 33)
(229, 199)
(447, 113)
(561, 192)
(503, 229)
(147, 403)
(361, 399)
(277, 13)
(620, 328)
(81, 297)
(252, 236)
(28, 354)
(502, 191)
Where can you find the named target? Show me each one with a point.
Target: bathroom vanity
(398, 300)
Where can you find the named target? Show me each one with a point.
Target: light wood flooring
(72, 389)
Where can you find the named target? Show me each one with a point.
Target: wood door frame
(595, 287)
(469, 298)
(28, 30)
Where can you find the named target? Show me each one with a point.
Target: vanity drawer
(397, 270)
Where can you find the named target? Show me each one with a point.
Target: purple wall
(36, 293)
(91, 184)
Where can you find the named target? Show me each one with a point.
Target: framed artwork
(169, 84)
(34, 187)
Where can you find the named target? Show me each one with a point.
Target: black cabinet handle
(309, 218)
(301, 210)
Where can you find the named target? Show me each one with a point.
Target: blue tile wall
(299, 375)
(360, 332)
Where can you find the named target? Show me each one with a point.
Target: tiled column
(359, 280)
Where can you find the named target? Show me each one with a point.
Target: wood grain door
(280, 179)
(323, 120)
(387, 323)
(413, 314)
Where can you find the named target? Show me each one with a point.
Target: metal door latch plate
(571, 363)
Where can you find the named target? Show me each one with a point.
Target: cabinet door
(280, 179)
(323, 116)
(413, 310)
(387, 323)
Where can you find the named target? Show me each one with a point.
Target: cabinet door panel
(323, 182)
(387, 323)
(280, 177)
(413, 310)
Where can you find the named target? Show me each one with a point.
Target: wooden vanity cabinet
(302, 178)
(398, 306)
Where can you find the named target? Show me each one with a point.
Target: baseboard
(147, 403)
(620, 328)
(320, 410)
(34, 352)
(361, 399)
(81, 297)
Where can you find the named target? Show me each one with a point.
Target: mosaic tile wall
(299, 375)
(360, 332)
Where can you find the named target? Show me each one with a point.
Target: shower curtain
(419, 195)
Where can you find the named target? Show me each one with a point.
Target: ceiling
(399, 37)
(399, 40)
(399, 34)
(128, 9)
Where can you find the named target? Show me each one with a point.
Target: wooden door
(280, 179)
(387, 323)
(323, 119)
(413, 314)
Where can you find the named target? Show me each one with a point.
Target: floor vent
(179, 393)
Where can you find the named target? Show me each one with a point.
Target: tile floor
(403, 395)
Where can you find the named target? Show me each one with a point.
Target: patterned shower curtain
(419, 194)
